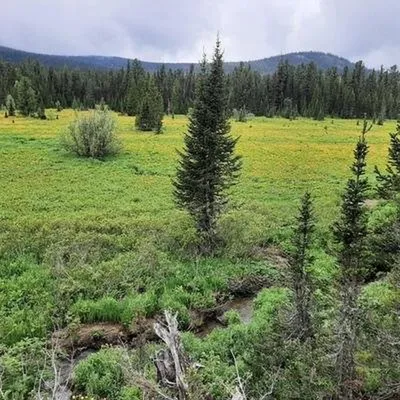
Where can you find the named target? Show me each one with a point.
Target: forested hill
(264, 66)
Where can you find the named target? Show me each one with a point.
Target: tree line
(291, 91)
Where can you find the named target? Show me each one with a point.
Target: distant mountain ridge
(264, 66)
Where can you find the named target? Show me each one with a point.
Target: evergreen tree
(288, 109)
(58, 106)
(151, 111)
(26, 96)
(382, 114)
(10, 106)
(136, 88)
(240, 115)
(208, 165)
(41, 114)
(350, 233)
(300, 261)
(75, 104)
(389, 184)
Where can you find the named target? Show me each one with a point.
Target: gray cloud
(178, 30)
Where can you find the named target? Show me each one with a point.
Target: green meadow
(45, 187)
(88, 241)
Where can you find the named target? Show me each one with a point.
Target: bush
(92, 135)
(51, 115)
(100, 375)
(20, 365)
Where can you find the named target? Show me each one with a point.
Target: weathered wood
(171, 364)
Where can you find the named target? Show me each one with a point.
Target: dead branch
(171, 364)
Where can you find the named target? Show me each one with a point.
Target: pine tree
(287, 110)
(10, 106)
(300, 261)
(75, 104)
(41, 114)
(389, 184)
(26, 97)
(350, 233)
(382, 114)
(58, 106)
(151, 111)
(240, 115)
(136, 90)
(208, 165)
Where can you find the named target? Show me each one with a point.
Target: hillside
(264, 66)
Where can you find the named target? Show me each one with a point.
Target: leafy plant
(92, 135)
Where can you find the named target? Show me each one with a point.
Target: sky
(180, 30)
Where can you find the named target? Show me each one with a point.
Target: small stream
(243, 306)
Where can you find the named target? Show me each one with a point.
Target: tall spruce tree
(151, 111)
(208, 164)
(350, 233)
(299, 263)
(26, 96)
(389, 183)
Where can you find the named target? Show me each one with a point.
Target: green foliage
(151, 110)
(351, 232)
(208, 165)
(102, 241)
(288, 110)
(92, 135)
(10, 105)
(378, 366)
(41, 114)
(389, 183)
(51, 115)
(58, 106)
(75, 105)
(384, 240)
(240, 115)
(131, 393)
(100, 375)
(299, 268)
(26, 301)
(26, 96)
(351, 229)
(108, 309)
(136, 91)
(20, 366)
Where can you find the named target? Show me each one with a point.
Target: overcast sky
(178, 30)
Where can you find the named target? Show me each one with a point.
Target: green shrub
(100, 375)
(92, 135)
(20, 365)
(131, 393)
(26, 302)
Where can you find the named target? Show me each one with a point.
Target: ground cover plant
(86, 241)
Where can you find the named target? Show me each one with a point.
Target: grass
(105, 232)
(281, 160)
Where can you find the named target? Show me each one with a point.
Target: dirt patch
(91, 336)
(94, 336)
(271, 253)
(248, 286)
(371, 203)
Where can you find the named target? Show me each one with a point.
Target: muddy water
(243, 306)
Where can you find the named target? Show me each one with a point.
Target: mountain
(264, 66)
